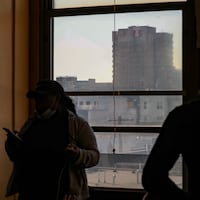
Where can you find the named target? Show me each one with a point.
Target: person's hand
(13, 147)
(72, 150)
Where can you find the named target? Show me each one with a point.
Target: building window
(124, 56)
(145, 105)
(87, 103)
(159, 105)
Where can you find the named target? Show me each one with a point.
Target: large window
(122, 63)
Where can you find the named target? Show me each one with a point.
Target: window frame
(189, 89)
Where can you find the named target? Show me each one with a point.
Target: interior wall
(14, 62)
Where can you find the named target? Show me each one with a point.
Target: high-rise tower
(142, 58)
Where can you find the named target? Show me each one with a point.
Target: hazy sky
(76, 3)
(83, 44)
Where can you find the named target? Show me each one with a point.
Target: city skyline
(84, 50)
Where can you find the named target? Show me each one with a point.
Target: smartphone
(11, 133)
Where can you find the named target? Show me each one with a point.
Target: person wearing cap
(57, 146)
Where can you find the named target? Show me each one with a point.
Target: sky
(83, 44)
(76, 3)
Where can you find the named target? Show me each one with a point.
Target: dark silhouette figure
(57, 145)
(178, 137)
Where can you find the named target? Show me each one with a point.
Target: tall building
(143, 59)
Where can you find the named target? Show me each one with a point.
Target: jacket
(81, 134)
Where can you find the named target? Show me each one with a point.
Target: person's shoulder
(193, 104)
(188, 107)
(74, 117)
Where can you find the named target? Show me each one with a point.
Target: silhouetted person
(177, 138)
(57, 145)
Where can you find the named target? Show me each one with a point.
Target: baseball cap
(46, 87)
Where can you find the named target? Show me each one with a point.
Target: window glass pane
(125, 110)
(124, 168)
(86, 3)
(133, 51)
(122, 51)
